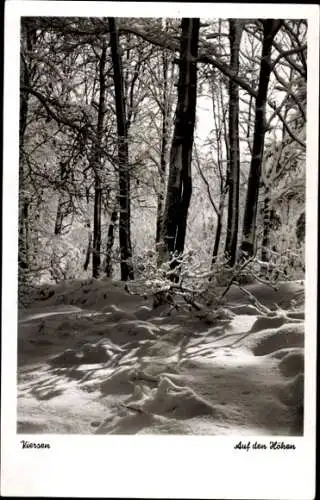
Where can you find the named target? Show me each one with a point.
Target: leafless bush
(184, 281)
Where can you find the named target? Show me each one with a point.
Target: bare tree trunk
(110, 242)
(266, 225)
(96, 247)
(89, 247)
(219, 227)
(129, 91)
(220, 125)
(63, 203)
(217, 240)
(270, 29)
(235, 31)
(59, 217)
(179, 182)
(123, 155)
(88, 252)
(164, 146)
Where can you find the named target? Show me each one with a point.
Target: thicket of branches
(122, 173)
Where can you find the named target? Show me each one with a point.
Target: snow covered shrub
(181, 281)
(287, 252)
(144, 264)
(65, 260)
(284, 266)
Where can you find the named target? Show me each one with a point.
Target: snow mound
(128, 330)
(171, 400)
(292, 392)
(281, 353)
(126, 422)
(270, 340)
(211, 317)
(143, 312)
(123, 331)
(264, 322)
(118, 314)
(285, 293)
(87, 354)
(292, 363)
(87, 293)
(161, 348)
(120, 381)
(122, 368)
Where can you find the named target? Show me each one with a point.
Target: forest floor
(93, 359)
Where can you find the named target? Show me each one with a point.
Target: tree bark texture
(123, 157)
(110, 242)
(164, 145)
(88, 252)
(218, 228)
(217, 240)
(96, 246)
(266, 225)
(179, 182)
(235, 31)
(63, 202)
(270, 29)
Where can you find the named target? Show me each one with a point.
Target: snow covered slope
(93, 359)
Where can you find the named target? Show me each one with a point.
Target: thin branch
(285, 53)
(293, 136)
(205, 181)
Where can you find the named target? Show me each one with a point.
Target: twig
(235, 275)
(261, 308)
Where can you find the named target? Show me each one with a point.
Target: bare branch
(205, 181)
(286, 53)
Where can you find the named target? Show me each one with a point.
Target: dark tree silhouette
(123, 156)
(164, 144)
(179, 183)
(270, 29)
(96, 163)
(235, 31)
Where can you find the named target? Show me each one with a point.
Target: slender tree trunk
(219, 226)
(164, 145)
(59, 218)
(179, 183)
(220, 124)
(235, 31)
(217, 240)
(110, 242)
(270, 28)
(266, 225)
(89, 247)
(88, 252)
(96, 247)
(129, 88)
(123, 155)
(62, 210)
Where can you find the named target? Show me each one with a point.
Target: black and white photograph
(162, 225)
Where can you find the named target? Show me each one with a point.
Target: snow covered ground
(94, 360)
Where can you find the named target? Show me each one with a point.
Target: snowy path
(110, 371)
